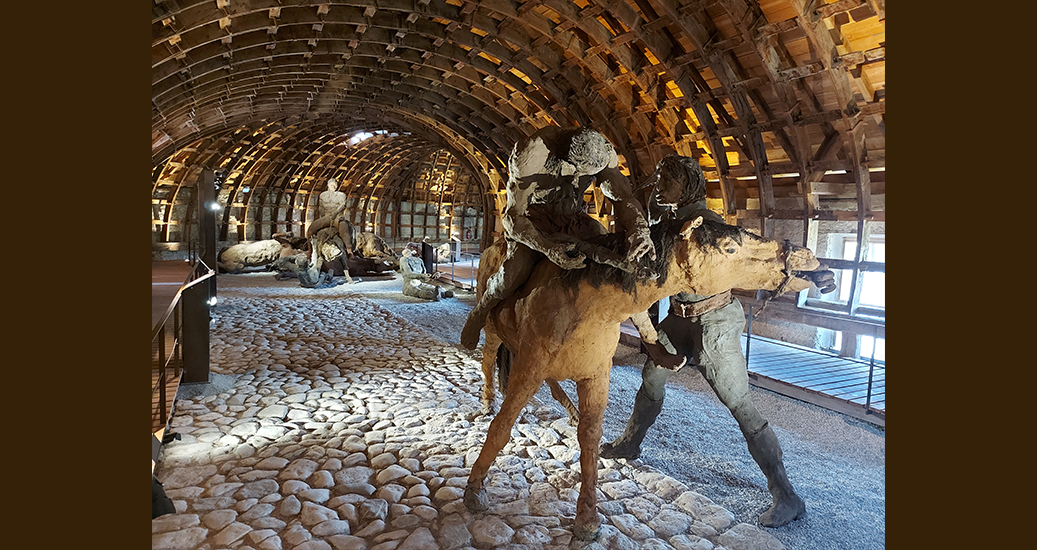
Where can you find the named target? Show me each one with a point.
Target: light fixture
(214, 206)
(212, 301)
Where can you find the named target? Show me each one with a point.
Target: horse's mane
(664, 236)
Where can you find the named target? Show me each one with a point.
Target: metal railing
(159, 334)
(868, 409)
(471, 258)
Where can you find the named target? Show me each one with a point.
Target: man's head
(678, 181)
(332, 184)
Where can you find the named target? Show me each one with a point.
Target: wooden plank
(793, 360)
(844, 388)
(813, 379)
(766, 347)
(878, 395)
(775, 350)
(878, 405)
(836, 388)
(815, 398)
(841, 376)
(795, 364)
(765, 360)
(860, 393)
(792, 313)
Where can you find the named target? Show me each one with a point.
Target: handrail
(868, 409)
(158, 335)
(176, 298)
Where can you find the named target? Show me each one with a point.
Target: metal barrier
(461, 255)
(173, 359)
(871, 363)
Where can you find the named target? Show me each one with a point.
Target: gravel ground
(836, 463)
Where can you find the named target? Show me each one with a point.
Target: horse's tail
(503, 368)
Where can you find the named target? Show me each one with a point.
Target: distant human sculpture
(330, 206)
(332, 201)
(331, 237)
(415, 277)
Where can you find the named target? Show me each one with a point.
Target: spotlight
(212, 301)
(214, 206)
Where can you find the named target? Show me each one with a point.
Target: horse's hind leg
(520, 391)
(489, 360)
(593, 395)
(560, 396)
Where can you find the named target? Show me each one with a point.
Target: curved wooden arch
(753, 90)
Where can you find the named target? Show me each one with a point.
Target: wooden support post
(196, 298)
(196, 333)
(207, 185)
(863, 236)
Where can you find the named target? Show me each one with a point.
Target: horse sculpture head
(713, 257)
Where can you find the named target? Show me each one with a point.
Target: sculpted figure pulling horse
(564, 324)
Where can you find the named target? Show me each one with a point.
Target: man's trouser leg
(721, 361)
(649, 401)
(514, 270)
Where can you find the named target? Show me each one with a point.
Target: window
(869, 343)
(871, 285)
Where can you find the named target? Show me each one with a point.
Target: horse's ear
(689, 227)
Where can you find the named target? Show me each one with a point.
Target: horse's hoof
(783, 511)
(587, 531)
(476, 500)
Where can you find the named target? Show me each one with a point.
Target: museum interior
(329, 180)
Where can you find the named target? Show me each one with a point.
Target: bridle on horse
(787, 249)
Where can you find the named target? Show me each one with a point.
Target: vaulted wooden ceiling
(781, 101)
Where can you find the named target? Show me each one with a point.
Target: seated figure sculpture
(544, 216)
(708, 330)
(415, 278)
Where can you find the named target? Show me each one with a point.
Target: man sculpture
(331, 236)
(708, 329)
(544, 216)
(415, 279)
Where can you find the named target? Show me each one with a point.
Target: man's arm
(519, 228)
(629, 214)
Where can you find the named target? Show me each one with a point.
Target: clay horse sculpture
(564, 325)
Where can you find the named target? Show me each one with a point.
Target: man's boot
(766, 451)
(628, 445)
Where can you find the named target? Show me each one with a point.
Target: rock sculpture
(370, 245)
(235, 258)
(564, 324)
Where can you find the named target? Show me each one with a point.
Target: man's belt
(694, 309)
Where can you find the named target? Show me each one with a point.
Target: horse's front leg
(520, 391)
(593, 394)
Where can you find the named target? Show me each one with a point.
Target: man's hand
(565, 256)
(823, 279)
(639, 243)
